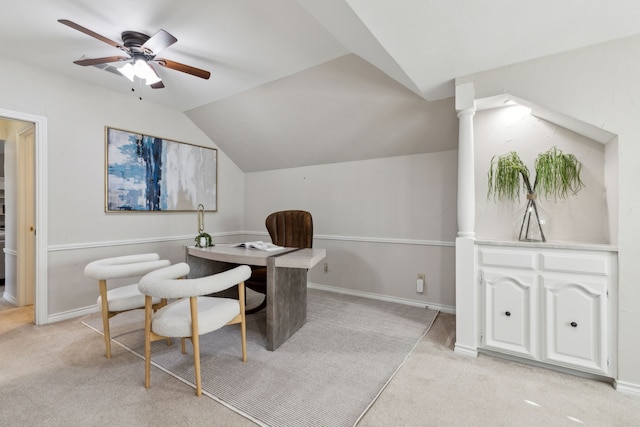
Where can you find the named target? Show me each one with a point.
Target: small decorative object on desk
(557, 175)
(203, 240)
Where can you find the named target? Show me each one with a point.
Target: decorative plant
(203, 240)
(557, 175)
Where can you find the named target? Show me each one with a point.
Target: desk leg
(200, 267)
(286, 302)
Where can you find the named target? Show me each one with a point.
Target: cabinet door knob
(574, 324)
(508, 313)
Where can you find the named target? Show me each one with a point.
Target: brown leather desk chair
(292, 229)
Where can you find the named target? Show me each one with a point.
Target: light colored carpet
(341, 359)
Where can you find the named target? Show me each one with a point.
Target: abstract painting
(147, 173)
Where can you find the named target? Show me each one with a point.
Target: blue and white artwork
(147, 173)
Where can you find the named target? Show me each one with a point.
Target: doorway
(18, 214)
(25, 221)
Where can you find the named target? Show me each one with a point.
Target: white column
(466, 289)
(466, 182)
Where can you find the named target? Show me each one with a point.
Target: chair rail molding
(388, 240)
(108, 243)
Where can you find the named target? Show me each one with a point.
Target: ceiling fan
(141, 52)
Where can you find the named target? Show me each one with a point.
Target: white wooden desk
(286, 281)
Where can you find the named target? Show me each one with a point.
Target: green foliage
(507, 175)
(557, 174)
(208, 240)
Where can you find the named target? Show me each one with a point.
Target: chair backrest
(167, 283)
(124, 266)
(293, 229)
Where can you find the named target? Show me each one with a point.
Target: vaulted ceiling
(302, 82)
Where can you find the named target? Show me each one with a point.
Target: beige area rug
(327, 374)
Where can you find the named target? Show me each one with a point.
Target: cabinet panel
(575, 322)
(576, 264)
(508, 305)
(506, 258)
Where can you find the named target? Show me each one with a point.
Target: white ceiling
(304, 64)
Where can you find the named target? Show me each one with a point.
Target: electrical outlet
(326, 267)
(420, 283)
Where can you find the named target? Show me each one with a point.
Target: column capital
(465, 97)
(466, 112)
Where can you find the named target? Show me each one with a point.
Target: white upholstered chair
(194, 314)
(126, 297)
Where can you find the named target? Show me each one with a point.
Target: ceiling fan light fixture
(128, 71)
(152, 79)
(141, 69)
(144, 71)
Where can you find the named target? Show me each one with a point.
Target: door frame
(41, 310)
(25, 204)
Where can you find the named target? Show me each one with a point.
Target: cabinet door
(509, 301)
(576, 323)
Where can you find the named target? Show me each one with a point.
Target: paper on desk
(260, 245)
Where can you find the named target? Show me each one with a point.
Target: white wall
(597, 85)
(580, 218)
(382, 221)
(79, 229)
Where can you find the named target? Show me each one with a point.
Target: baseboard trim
(552, 367)
(72, 314)
(9, 298)
(625, 387)
(370, 295)
(464, 350)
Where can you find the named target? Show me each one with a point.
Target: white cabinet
(509, 300)
(553, 305)
(576, 327)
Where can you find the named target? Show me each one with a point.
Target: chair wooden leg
(243, 325)
(105, 317)
(147, 341)
(195, 339)
(183, 344)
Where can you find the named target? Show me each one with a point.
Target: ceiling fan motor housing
(134, 40)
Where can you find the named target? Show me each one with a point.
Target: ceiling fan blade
(92, 34)
(158, 85)
(184, 68)
(158, 42)
(105, 60)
